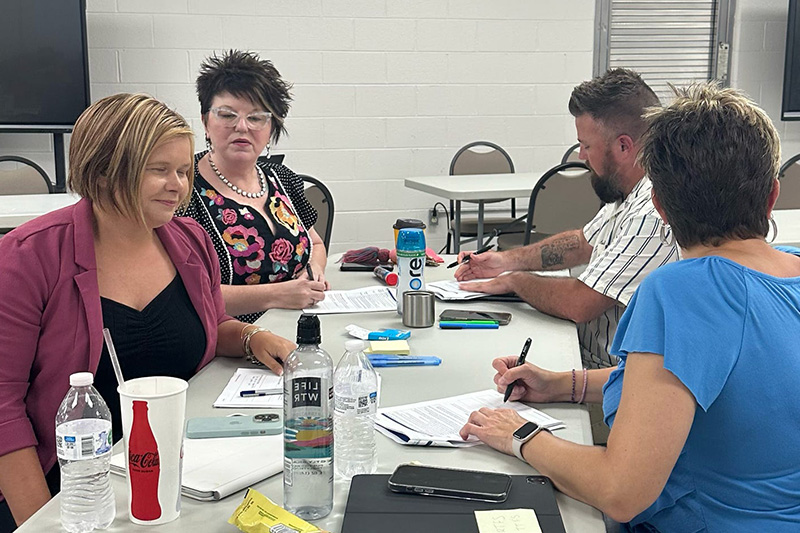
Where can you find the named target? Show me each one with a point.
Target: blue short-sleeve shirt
(729, 334)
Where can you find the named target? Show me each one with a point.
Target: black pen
(309, 271)
(466, 259)
(520, 362)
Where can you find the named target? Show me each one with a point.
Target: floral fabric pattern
(258, 255)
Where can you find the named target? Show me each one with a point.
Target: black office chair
(29, 178)
(320, 197)
(492, 160)
(571, 154)
(563, 199)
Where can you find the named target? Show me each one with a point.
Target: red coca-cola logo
(143, 460)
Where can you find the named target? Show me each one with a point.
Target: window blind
(665, 41)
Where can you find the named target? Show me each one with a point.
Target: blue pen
(393, 357)
(401, 362)
(252, 393)
(466, 325)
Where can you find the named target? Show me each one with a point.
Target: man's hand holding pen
(484, 265)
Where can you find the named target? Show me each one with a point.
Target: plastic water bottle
(355, 400)
(410, 262)
(83, 446)
(308, 425)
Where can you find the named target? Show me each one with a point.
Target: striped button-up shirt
(625, 248)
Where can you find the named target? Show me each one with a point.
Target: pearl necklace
(261, 179)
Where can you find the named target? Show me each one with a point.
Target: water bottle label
(307, 469)
(306, 392)
(367, 404)
(73, 446)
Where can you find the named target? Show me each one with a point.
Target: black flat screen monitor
(44, 71)
(790, 110)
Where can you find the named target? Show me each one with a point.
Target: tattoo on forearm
(553, 253)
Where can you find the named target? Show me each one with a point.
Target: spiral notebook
(216, 468)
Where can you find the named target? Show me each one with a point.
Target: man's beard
(606, 186)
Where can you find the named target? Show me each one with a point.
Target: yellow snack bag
(259, 514)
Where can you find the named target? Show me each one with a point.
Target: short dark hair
(713, 156)
(245, 75)
(617, 100)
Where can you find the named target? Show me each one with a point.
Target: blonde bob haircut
(111, 143)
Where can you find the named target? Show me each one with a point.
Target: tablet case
(371, 506)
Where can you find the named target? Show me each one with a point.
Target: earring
(774, 230)
(208, 145)
(266, 154)
(662, 234)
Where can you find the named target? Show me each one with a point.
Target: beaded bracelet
(248, 350)
(585, 383)
(573, 386)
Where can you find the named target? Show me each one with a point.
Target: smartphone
(234, 426)
(450, 483)
(458, 315)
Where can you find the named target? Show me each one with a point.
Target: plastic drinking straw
(113, 353)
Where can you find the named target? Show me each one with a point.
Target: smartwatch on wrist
(522, 435)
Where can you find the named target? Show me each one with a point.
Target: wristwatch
(522, 435)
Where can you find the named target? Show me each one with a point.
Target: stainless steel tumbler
(419, 309)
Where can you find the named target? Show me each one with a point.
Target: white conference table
(466, 367)
(17, 209)
(478, 188)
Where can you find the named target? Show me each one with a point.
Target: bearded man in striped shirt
(620, 246)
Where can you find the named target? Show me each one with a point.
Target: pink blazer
(51, 320)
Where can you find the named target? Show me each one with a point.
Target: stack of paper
(450, 291)
(366, 300)
(389, 347)
(252, 379)
(437, 422)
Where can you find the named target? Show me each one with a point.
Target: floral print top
(252, 252)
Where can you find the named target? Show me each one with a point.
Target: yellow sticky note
(259, 514)
(508, 521)
(389, 347)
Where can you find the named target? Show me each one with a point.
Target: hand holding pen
(520, 362)
(466, 256)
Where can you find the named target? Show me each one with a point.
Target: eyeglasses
(255, 121)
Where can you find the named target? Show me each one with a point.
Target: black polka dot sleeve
(293, 185)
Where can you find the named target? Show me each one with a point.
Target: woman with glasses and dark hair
(702, 408)
(259, 220)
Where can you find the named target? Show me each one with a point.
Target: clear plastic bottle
(410, 263)
(83, 446)
(308, 425)
(355, 394)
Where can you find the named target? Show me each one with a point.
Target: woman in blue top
(702, 407)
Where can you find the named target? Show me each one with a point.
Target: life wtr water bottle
(308, 424)
(355, 394)
(83, 446)
(410, 262)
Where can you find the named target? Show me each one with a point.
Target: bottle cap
(81, 379)
(308, 330)
(354, 345)
(401, 223)
(411, 239)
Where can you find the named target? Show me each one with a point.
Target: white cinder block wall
(386, 89)
(759, 44)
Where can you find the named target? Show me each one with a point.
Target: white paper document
(366, 300)
(252, 379)
(449, 290)
(437, 422)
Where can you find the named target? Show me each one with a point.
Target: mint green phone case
(234, 426)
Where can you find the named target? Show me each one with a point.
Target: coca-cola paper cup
(153, 412)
